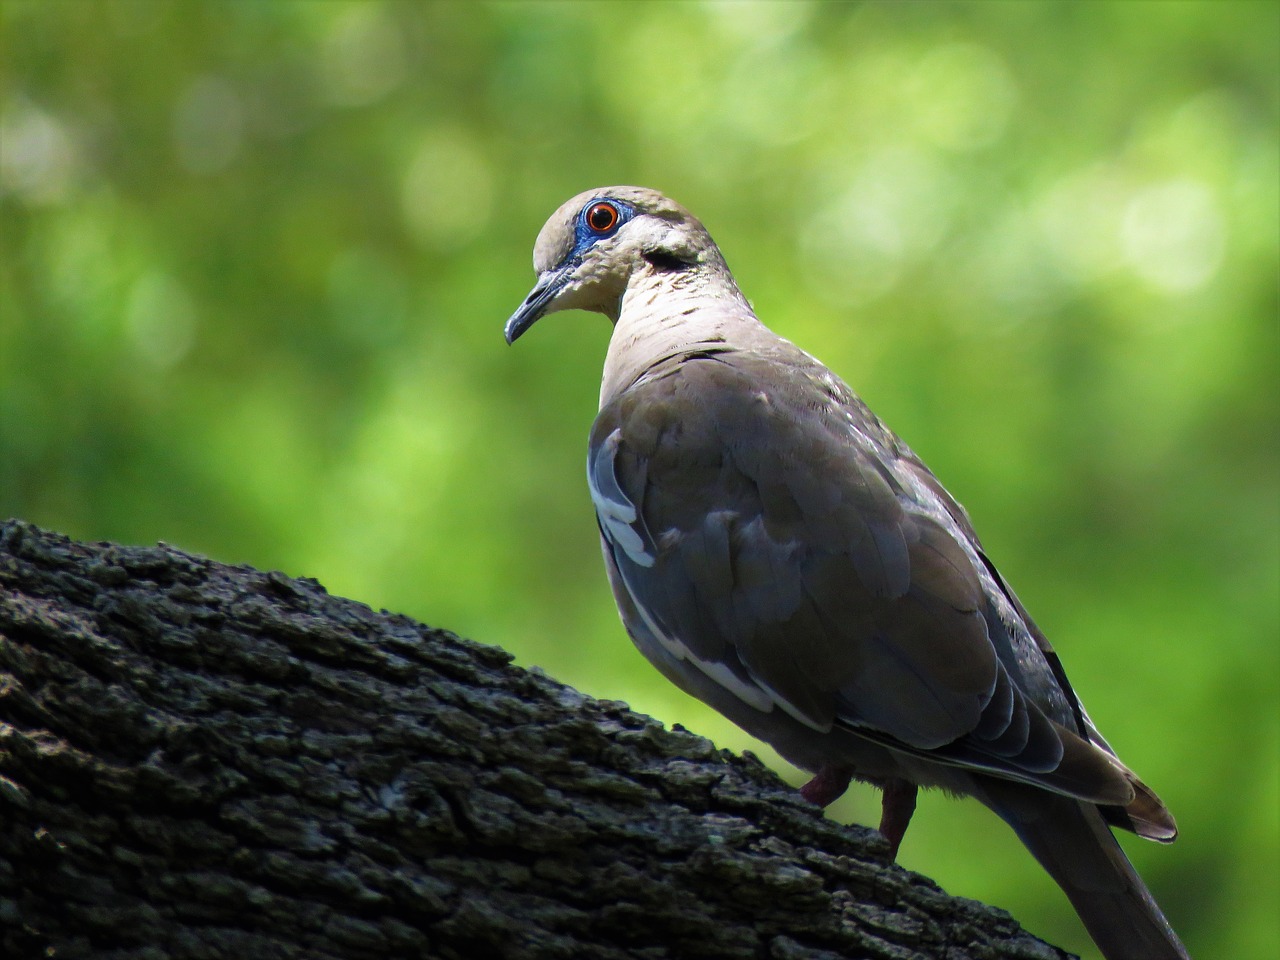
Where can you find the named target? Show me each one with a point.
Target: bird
(780, 554)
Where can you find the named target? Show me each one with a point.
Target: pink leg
(897, 804)
(828, 785)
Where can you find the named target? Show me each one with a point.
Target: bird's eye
(602, 217)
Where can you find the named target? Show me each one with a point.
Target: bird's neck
(669, 312)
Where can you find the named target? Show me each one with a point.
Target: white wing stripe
(618, 517)
(718, 671)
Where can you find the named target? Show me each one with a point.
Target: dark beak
(539, 298)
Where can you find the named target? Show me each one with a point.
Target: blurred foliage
(257, 257)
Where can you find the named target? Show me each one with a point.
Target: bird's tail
(1073, 843)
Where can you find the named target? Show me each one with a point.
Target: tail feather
(1145, 815)
(1071, 841)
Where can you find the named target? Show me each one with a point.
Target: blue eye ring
(598, 220)
(601, 217)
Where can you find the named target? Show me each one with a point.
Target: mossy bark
(206, 761)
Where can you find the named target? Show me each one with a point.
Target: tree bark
(206, 761)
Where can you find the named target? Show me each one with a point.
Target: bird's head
(588, 251)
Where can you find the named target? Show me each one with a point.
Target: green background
(257, 258)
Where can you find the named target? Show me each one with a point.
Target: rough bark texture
(199, 760)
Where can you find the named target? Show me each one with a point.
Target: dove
(778, 553)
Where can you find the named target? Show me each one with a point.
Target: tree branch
(199, 760)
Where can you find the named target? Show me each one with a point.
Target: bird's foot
(897, 804)
(828, 786)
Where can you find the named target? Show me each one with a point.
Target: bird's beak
(539, 299)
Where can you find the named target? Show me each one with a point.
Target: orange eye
(602, 217)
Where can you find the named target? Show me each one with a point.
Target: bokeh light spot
(858, 243)
(160, 319)
(37, 160)
(963, 96)
(363, 56)
(208, 125)
(1173, 235)
(447, 196)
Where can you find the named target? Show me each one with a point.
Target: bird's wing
(768, 536)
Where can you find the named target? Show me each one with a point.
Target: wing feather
(779, 540)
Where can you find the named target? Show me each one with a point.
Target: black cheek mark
(665, 261)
